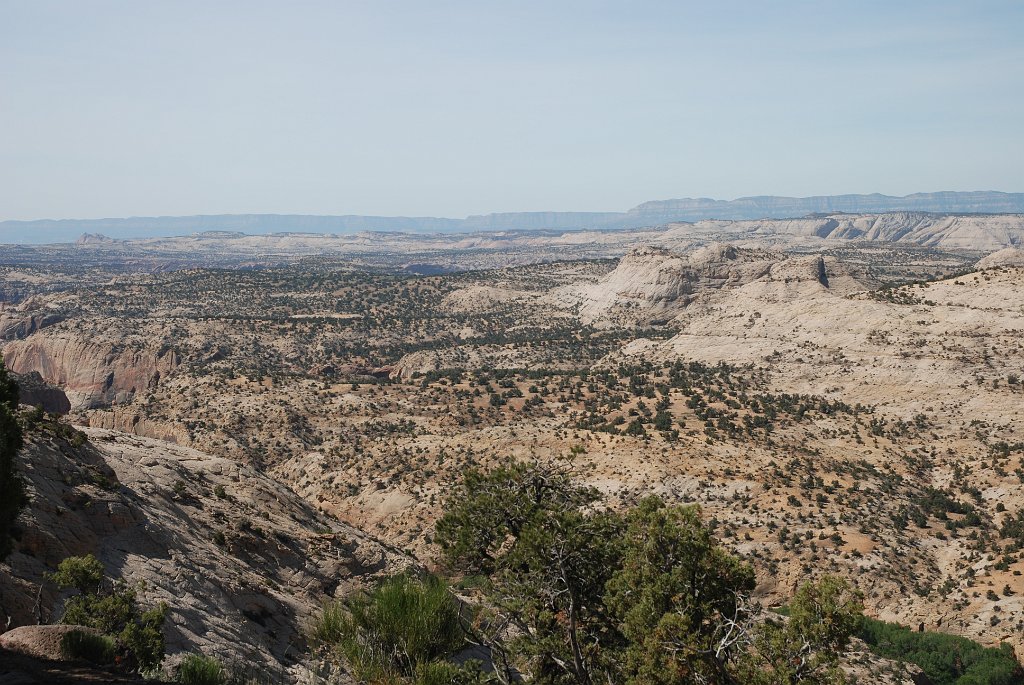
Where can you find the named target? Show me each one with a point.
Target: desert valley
(253, 425)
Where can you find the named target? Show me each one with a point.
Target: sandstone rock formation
(653, 283)
(24, 319)
(91, 372)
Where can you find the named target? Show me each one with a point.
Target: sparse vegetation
(369, 391)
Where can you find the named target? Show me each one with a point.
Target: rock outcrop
(42, 642)
(653, 283)
(27, 317)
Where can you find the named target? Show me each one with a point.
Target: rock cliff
(93, 372)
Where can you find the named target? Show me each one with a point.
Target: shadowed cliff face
(34, 391)
(92, 372)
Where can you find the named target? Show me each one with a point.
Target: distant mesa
(221, 234)
(647, 214)
(93, 239)
(775, 207)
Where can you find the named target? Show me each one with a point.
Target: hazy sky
(444, 108)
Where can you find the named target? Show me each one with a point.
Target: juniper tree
(12, 489)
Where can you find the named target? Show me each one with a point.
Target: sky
(452, 108)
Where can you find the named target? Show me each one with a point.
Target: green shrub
(111, 608)
(394, 630)
(81, 644)
(197, 669)
(79, 573)
(446, 673)
(144, 638)
(588, 595)
(945, 659)
(332, 626)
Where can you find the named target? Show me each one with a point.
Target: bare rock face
(93, 373)
(93, 239)
(242, 561)
(127, 419)
(654, 278)
(27, 317)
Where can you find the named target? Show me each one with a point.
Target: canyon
(839, 394)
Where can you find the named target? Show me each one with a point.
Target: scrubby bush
(445, 673)
(805, 649)
(393, 632)
(198, 669)
(82, 644)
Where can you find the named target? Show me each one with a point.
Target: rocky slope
(947, 354)
(1010, 256)
(25, 318)
(242, 562)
